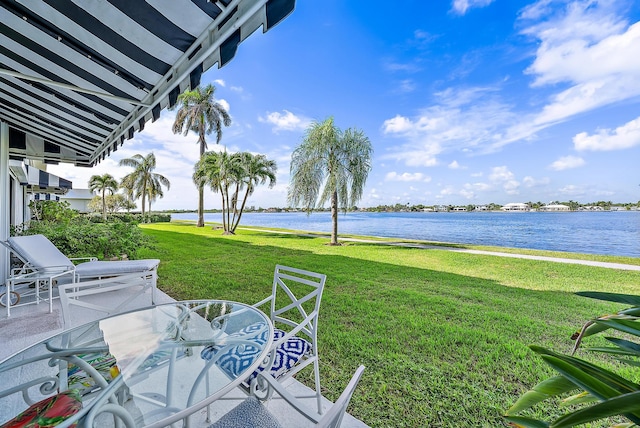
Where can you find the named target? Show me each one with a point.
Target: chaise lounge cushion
(119, 267)
(48, 412)
(41, 253)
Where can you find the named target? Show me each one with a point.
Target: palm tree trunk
(244, 201)
(227, 202)
(334, 218)
(104, 206)
(201, 188)
(200, 207)
(144, 201)
(224, 221)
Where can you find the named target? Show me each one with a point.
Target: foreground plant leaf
(547, 388)
(620, 405)
(523, 422)
(598, 381)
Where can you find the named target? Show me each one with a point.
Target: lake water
(610, 233)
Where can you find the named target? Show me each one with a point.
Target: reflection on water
(610, 233)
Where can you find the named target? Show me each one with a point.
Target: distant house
(555, 207)
(516, 206)
(78, 199)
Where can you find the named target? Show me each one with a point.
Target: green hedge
(130, 217)
(81, 237)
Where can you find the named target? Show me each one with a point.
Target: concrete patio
(31, 323)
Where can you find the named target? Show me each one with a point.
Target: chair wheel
(15, 299)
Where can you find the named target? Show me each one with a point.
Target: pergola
(80, 77)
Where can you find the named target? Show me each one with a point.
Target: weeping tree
(235, 176)
(103, 184)
(329, 165)
(200, 112)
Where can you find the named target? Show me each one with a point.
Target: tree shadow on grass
(433, 342)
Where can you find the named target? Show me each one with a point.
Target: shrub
(81, 237)
(59, 211)
(130, 217)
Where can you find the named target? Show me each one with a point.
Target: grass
(443, 334)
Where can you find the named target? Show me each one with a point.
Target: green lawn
(443, 335)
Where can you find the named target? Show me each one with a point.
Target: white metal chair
(104, 297)
(295, 346)
(44, 262)
(252, 413)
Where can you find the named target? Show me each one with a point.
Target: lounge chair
(44, 263)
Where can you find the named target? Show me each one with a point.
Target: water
(608, 233)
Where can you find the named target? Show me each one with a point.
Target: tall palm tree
(201, 113)
(230, 174)
(212, 170)
(330, 165)
(257, 169)
(142, 178)
(103, 184)
(154, 192)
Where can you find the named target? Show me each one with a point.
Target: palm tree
(211, 171)
(143, 178)
(330, 165)
(103, 183)
(201, 113)
(154, 192)
(257, 170)
(230, 174)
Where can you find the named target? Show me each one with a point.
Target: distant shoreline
(596, 233)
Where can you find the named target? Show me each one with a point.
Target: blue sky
(464, 101)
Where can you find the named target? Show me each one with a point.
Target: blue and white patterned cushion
(237, 359)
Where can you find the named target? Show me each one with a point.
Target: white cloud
(623, 137)
(482, 187)
(529, 181)
(406, 176)
(467, 194)
(286, 121)
(220, 82)
(455, 165)
(461, 6)
(571, 190)
(500, 174)
(567, 162)
(588, 47)
(406, 86)
(468, 119)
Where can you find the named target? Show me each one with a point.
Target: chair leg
(154, 281)
(208, 405)
(316, 369)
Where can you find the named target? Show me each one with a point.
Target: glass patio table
(148, 367)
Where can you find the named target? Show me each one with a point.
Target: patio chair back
(40, 253)
(295, 303)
